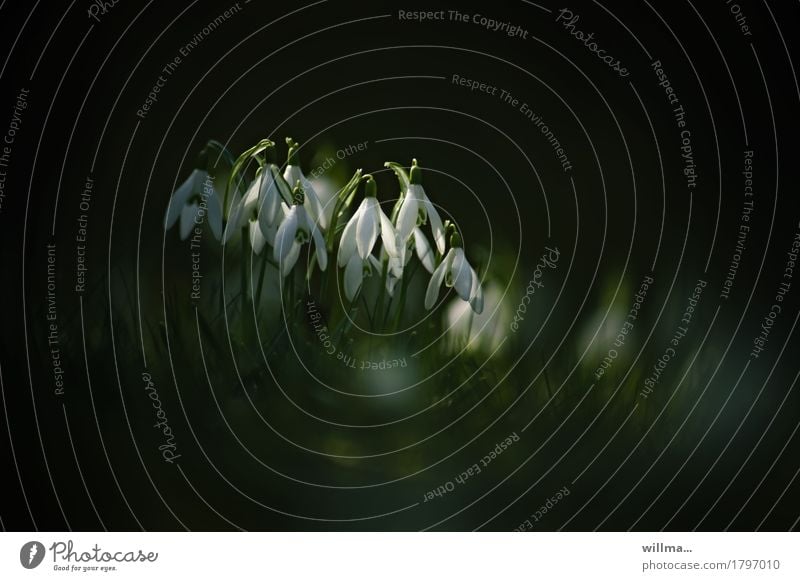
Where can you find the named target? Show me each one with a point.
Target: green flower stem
(271, 345)
(240, 163)
(261, 276)
(382, 295)
(343, 201)
(347, 321)
(290, 302)
(366, 310)
(403, 178)
(401, 306)
(403, 288)
(245, 256)
(388, 310)
(323, 286)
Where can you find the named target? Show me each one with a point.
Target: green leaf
(402, 174)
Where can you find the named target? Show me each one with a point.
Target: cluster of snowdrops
(279, 211)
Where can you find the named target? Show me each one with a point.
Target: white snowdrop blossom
(194, 202)
(456, 272)
(362, 230)
(416, 209)
(359, 237)
(295, 230)
(261, 209)
(293, 174)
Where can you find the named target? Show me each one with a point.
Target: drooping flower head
(416, 210)
(197, 200)
(456, 272)
(359, 237)
(293, 174)
(264, 204)
(295, 230)
(194, 202)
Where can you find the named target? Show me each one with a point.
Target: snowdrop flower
(416, 209)
(293, 174)
(359, 237)
(457, 273)
(295, 230)
(261, 209)
(362, 230)
(195, 201)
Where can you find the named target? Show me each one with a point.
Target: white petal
(460, 275)
(292, 175)
(172, 215)
(388, 235)
(304, 222)
(270, 233)
(347, 243)
(435, 284)
(396, 267)
(312, 203)
(251, 197)
(424, 250)
(270, 214)
(436, 224)
(291, 258)
(257, 239)
(283, 188)
(319, 245)
(271, 230)
(188, 215)
(367, 228)
(270, 198)
(285, 237)
(353, 275)
(181, 196)
(407, 217)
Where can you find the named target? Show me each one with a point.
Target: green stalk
(388, 310)
(382, 295)
(366, 310)
(261, 275)
(344, 325)
(343, 201)
(326, 275)
(243, 269)
(402, 303)
(291, 297)
(402, 306)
